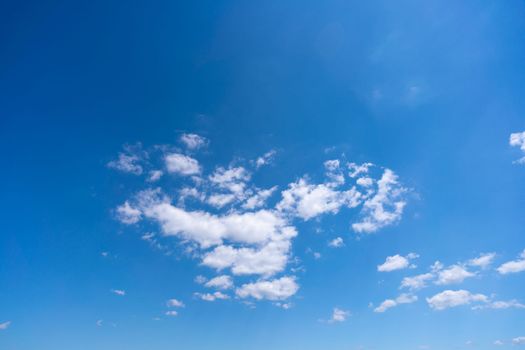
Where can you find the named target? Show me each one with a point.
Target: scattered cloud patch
(453, 275)
(220, 282)
(518, 341)
(174, 303)
(336, 242)
(212, 296)
(385, 207)
(499, 305)
(517, 139)
(5, 325)
(339, 315)
(155, 175)
(390, 303)
(171, 313)
(397, 262)
(127, 214)
(483, 261)
(513, 266)
(129, 160)
(453, 298)
(277, 289)
(265, 159)
(416, 282)
(193, 141)
(118, 292)
(180, 164)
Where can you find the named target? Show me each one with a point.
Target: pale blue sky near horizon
(430, 93)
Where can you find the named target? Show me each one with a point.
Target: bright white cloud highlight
(220, 282)
(193, 141)
(212, 296)
(129, 160)
(483, 261)
(513, 266)
(416, 282)
(396, 262)
(385, 207)
(452, 275)
(177, 163)
(454, 298)
(127, 214)
(277, 289)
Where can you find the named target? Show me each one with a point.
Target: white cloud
(453, 274)
(513, 266)
(339, 315)
(416, 282)
(208, 229)
(483, 260)
(265, 159)
(518, 341)
(244, 235)
(129, 160)
(365, 181)
(5, 325)
(336, 242)
(396, 262)
(127, 214)
(358, 169)
(155, 175)
(171, 313)
(212, 296)
(277, 289)
(499, 305)
(266, 260)
(99, 323)
(200, 279)
(118, 292)
(174, 303)
(498, 343)
(453, 298)
(390, 303)
(193, 141)
(232, 179)
(334, 173)
(220, 282)
(258, 199)
(183, 165)
(518, 140)
(220, 200)
(308, 200)
(385, 207)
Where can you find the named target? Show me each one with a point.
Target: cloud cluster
(453, 274)
(235, 227)
(517, 139)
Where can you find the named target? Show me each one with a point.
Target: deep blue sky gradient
(430, 89)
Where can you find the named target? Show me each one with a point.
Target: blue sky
(276, 175)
